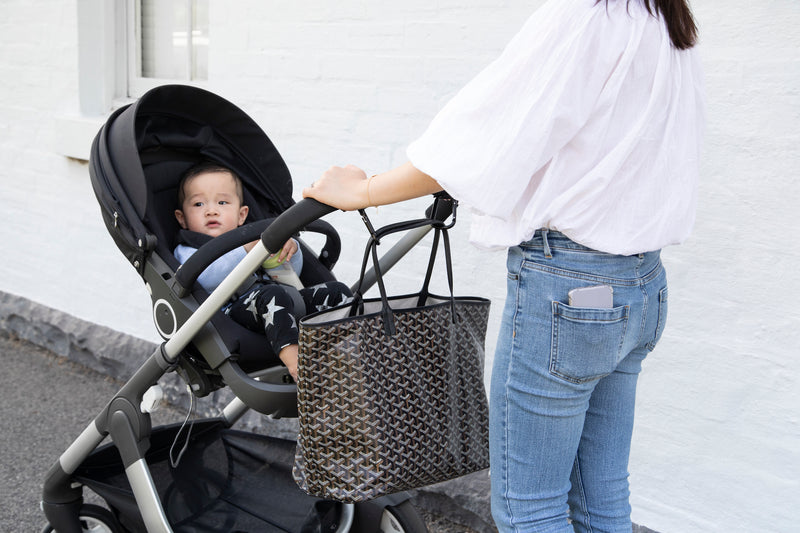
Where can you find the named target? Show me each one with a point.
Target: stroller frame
(126, 417)
(129, 427)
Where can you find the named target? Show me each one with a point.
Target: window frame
(137, 85)
(107, 57)
(105, 80)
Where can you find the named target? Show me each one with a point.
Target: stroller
(227, 480)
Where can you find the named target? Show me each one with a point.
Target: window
(168, 41)
(126, 48)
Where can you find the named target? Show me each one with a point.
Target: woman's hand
(348, 188)
(342, 187)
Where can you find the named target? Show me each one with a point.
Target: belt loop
(547, 253)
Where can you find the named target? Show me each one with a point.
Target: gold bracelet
(369, 182)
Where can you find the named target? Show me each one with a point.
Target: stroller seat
(137, 160)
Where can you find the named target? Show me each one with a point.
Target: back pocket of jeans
(586, 342)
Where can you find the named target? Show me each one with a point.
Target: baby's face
(212, 205)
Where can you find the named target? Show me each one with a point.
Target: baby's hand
(288, 250)
(278, 258)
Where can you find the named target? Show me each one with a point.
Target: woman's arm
(348, 188)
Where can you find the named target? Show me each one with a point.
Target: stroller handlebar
(290, 221)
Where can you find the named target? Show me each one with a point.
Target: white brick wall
(718, 429)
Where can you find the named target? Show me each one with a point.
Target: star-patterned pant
(269, 308)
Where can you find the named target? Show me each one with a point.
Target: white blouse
(589, 123)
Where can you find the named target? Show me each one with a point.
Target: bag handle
(440, 228)
(448, 261)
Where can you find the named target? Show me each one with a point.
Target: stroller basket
(218, 485)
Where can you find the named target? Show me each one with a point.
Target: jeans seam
(561, 247)
(582, 493)
(578, 275)
(660, 322)
(645, 305)
(506, 423)
(573, 274)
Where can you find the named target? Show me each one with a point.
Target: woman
(577, 149)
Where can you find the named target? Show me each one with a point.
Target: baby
(211, 203)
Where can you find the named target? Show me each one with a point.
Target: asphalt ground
(45, 402)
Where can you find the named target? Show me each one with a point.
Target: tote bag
(390, 389)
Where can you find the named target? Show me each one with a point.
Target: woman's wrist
(399, 184)
(369, 197)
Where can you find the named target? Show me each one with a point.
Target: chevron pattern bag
(390, 389)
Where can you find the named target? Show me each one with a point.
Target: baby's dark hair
(202, 168)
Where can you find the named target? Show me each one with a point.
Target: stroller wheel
(94, 519)
(402, 518)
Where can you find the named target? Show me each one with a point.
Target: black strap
(448, 260)
(371, 250)
(193, 238)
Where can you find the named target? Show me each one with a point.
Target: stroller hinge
(130, 433)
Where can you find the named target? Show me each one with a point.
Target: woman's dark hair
(680, 22)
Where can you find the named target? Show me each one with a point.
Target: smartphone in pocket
(595, 296)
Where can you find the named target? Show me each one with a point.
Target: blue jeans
(564, 385)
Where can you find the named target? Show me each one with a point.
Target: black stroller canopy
(141, 152)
